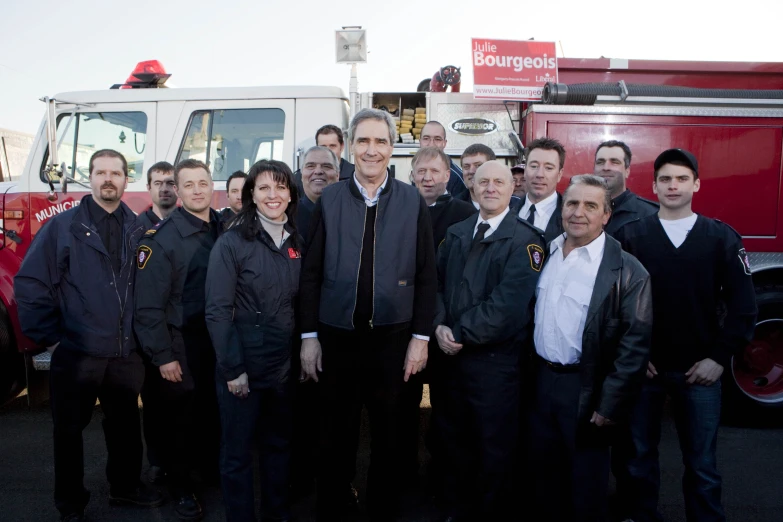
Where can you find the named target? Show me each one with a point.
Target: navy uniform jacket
(485, 295)
(628, 207)
(67, 291)
(149, 219)
(172, 265)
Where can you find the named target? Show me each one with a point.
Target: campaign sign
(512, 70)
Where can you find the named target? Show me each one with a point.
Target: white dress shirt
(544, 210)
(493, 222)
(370, 202)
(562, 298)
(475, 204)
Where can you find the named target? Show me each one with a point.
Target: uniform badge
(142, 256)
(536, 255)
(293, 253)
(743, 257)
(150, 231)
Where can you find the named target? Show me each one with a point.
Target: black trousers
(568, 458)
(190, 419)
(76, 381)
(361, 368)
(478, 420)
(263, 419)
(152, 416)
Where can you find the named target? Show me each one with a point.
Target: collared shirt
(213, 226)
(544, 210)
(493, 222)
(371, 202)
(475, 204)
(562, 298)
(109, 227)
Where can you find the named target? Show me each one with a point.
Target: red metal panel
(740, 162)
(713, 75)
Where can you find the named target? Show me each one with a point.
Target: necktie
(531, 218)
(482, 229)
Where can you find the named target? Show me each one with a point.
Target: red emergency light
(149, 74)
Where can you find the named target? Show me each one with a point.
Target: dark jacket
(346, 169)
(226, 215)
(628, 207)
(251, 290)
(485, 295)
(172, 269)
(304, 214)
(446, 212)
(67, 291)
(456, 185)
(403, 287)
(617, 336)
(149, 219)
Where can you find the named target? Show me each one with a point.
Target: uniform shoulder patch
(150, 232)
(143, 255)
(536, 255)
(743, 257)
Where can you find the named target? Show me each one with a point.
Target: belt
(560, 368)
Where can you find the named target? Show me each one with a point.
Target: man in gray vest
(367, 292)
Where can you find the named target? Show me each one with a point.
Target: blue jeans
(696, 413)
(270, 412)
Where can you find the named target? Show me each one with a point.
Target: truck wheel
(753, 389)
(11, 362)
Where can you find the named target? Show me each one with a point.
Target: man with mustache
(170, 323)
(613, 163)
(74, 291)
(593, 324)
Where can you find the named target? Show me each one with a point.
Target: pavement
(751, 461)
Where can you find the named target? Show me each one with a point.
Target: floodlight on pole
(351, 48)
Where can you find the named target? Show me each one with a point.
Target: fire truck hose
(587, 93)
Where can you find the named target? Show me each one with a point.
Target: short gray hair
(318, 148)
(377, 115)
(591, 180)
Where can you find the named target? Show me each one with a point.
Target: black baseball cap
(670, 155)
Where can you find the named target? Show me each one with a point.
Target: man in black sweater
(695, 263)
(318, 171)
(367, 303)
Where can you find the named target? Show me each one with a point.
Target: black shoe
(143, 496)
(156, 475)
(188, 508)
(73, 517)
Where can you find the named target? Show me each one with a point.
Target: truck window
(89, 132)
(233, 139)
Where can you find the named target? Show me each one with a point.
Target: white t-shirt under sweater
(677, 229)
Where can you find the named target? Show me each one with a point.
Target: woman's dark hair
(247, 221)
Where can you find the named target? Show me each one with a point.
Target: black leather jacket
(617, 336)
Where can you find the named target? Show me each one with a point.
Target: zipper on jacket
(374, 239)
(359, 268)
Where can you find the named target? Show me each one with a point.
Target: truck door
(128, 128)
(232, 135)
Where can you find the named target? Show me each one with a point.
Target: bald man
(487, 273)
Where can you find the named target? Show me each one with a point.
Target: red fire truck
(739, 143)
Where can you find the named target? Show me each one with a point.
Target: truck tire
(753, 388)
(11, 361)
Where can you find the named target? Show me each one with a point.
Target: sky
(50, 47)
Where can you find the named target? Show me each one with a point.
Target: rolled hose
(587, 93)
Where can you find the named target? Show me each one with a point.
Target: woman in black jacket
(252, 283)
